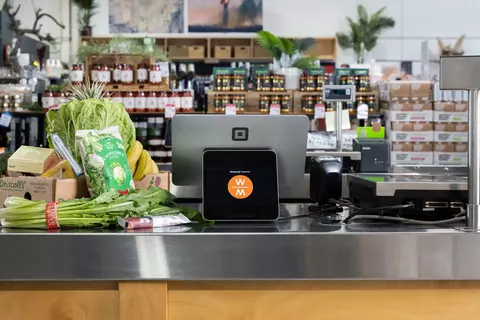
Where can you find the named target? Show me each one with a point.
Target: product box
(441, 116)
(411, 136)
(422, 147)
(197, 52)
(461, 127)
(413, 116)
(420, 158)
(442, 136)
(178, 51)
(450, 106)
(223, 52)
(444, 127)
(242, 52)
(402, 146)
(50, 189)
(421, 90)
(450, 158)
(399, 90)
(450, 147)
(400, 106)
(32, 160)
(422, 106)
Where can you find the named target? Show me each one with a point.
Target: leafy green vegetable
(102, 211)
(104, 161)
(90, 114)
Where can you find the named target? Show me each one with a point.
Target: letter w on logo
(240, 182)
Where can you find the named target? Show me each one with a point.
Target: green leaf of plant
(270, 43)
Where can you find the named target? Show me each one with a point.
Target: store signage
(275, 109)
(319, 111)
(170, 111)
(231, 109)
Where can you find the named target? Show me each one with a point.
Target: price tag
(231, 109)
(274, 109)
(362, 112)
(319, 111)
(170, 111)
(5, 119)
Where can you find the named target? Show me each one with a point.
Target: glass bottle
(142, 73)
(152, 101)
(127, 74)
(117, 97)
(155, 76)
(129, 101)
(173, 76)
(187, 101)
(140, 101)
(117, 73)
(76, 74)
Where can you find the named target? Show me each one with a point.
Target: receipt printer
(375, 155)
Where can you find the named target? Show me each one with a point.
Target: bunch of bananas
(140, 162)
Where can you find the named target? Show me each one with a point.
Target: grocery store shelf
(268, 93)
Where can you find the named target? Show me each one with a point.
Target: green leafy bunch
(279, 46)
(121, 45)
(364, 33)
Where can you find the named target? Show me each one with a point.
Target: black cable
(335, 208)
(377, 210)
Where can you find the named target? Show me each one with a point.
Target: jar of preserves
(239, 102)
(308, 104)
(59, 98)
(225, 102)
(319, 80)
(267, 83)
(275, 100)
(303, 83)
(152, 101)
(318, 100)
(372, 104)
(311, 84)
(140, 101)
(162, 100)
(219, 82)
(281, 82)
(104, 74)
(176, 100)
(264, 104)
(155, 76)
(127, 74)
(77, 74)
(142, 73)
(129, 101)
(275, 84)
(94, 73)
(48, 100)
(226, 83)
(363, 83)
(217, 103)
(116, 97)
(286, 104)
(187, 101)
(238, 83)
(117, 73)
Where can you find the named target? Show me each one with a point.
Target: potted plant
(86, 10)
(364, 33)
(289, 56)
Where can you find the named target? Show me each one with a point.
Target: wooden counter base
(289, 300)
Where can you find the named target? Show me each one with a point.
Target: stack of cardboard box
(410, 122)
(450, 117)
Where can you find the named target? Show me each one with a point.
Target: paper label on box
(231, 109)
(319, 111)
(5, 119)
(440, 136)
(440, 116)
(362, 112)
(455, 158)
(411, 136)
(170, 111)
(411, 157)
(274, 109)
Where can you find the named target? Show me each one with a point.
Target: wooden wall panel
(143, 301)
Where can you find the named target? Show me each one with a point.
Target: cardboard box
(455, 158)
(32, 160)
(49, 189)
(402, 126)
(223, 52)
(450, 106)
(422, 106)
(414, 116)
(420, 158)
(411, 136)
(444, 127)
(402, 146)
(440, 136)
(461, 147)
(242, 52)
(439, 116)
(401, 106)
(422, 126)
(444, 147)
(259, 52)
(197, 52)
(421, 90)
(399, 90)
(178, 51)
(461, 127)
(422, 147)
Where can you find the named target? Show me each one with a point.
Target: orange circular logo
(240, 187)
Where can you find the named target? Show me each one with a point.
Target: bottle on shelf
(173, 76)
(162, 100)
(76, 74)
(190, 76)
(175, 100)
(140, 101)
(155, 74)
(127, 74)
(152, 101)
(117, 73)
(187, 101)
(142, 73)
(129, 101)
(182, 76)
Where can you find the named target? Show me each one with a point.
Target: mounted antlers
(36, 29)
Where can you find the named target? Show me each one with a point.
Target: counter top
(303, 248)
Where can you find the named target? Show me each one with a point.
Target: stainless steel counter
(293, 249)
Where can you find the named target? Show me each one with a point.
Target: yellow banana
(142, 166)
(134, 154)
(155, 167)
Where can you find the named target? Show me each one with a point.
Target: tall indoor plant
(288, 54)
(364, 33)
(86, 10)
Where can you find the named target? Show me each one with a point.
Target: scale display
(338, 93)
